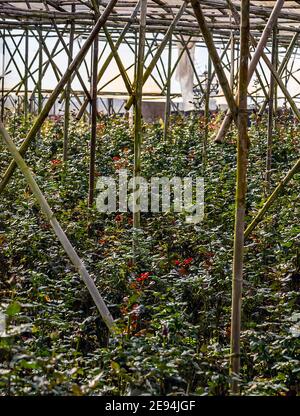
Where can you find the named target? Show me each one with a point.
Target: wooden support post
(168, 92)
(271, 110)
(147, 54)
(283, 66)
(42, 116)
(26, 52)
(3, 77)
(232, 61)
(68, 91)
(159, 51)
(226, 122)
(206, 114)
(40, 74)
(254, 61)
(110, 57)
(93, 123)
(279, 188)
(120, 65)
(138, 105)
(208, 38)
(275, 66)
(73, 256)
(70, 57)
(240, 200)
(45, 65)
(213, 74)
(12, 54)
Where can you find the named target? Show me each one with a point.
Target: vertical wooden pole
(136, 47)
(286, 84)
(240, 200)
(26, 52)
(62, 237)
(93, 122)
(271, 110)
(259, 52)
(206, 113)
(159, 51)
(40, 74)
(275, 65)
(3, 75)
(68, 91)
(168, 92)
(138, 103)
(283, 67)
(232, 61)
(107, 61)
(57, 90)
(212, 50)
(270, 200)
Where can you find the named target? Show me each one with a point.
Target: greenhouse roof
(160, 14)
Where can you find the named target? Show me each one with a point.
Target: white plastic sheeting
(185, 76)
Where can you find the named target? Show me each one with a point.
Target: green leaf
(13, 309)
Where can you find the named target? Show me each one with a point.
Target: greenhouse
(149, 198)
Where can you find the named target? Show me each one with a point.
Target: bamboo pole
(45, 66)
(254, 61)
(270, 111)
(227, 121)
(120, 65)
(3, 77)
(93, 124)
(213, 74)
(240, 199)
(270, 200)
(159, 51)
(73, 256)
(40, 73)
(208, 38)
(275, 66)
(44, 113)
(68, 91)
(12, 54)
(70, 57)
(232, 61)
(158, 69)
(110, 57)
(138, 105)
(168, 92)
(283, 66)
(148, 53)
(26, 52)
(206, 113)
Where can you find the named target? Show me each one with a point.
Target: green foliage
(173, 306)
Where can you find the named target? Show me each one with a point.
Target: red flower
(143, 276)
(116, 158)
(55, 162)
(187, 261)
(119, 218)
(177, 262)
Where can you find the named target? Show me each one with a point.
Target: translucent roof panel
(159, 15)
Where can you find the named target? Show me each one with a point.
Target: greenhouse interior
(149, 198)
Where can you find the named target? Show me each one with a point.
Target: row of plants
(172, 305)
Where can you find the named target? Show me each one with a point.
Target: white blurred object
(185, 76)
(2, 324)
